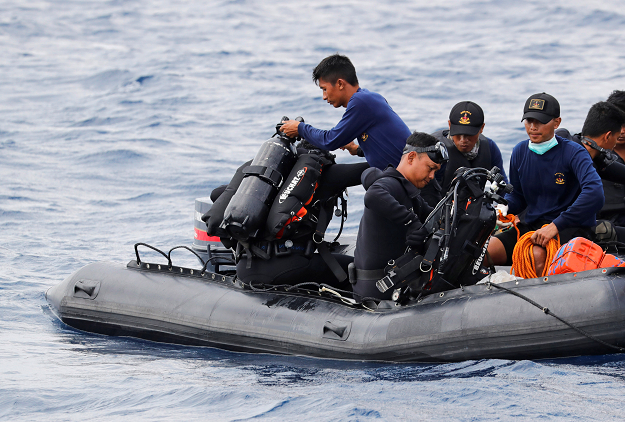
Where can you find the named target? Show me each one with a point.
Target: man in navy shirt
(380, 132)
(554, 182)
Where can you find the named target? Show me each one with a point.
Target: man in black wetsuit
(394, 211)
(467, 148)
(601, 130)
(614, 208)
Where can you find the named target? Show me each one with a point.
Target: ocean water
(115, 115)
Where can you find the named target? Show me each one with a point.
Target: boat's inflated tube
(247, 211)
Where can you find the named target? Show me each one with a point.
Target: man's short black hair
(618, 99)
(333, 68)
(421, 140)
(603, 117)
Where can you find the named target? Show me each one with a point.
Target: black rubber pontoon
(183, 306)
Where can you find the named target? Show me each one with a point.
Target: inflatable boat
(437, 313)
(211, 307)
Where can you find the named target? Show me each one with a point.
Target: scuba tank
(215, 215)
(460, 227)
(291, 213)
(247, 211)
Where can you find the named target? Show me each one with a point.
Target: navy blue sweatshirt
(561, 185)
(380, 132)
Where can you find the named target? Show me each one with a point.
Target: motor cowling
(247, 211)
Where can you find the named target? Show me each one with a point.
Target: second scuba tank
(247, 211)
(292, 204)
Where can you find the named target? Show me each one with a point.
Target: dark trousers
(292, 269)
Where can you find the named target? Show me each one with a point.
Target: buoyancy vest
(295, 211)
(457, 159)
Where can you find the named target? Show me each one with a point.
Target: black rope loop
(187, 248)
(154, 249)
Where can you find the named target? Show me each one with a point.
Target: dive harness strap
(421, 263)
(322, 246)
(396, 275)
(267, 174)
(432, 251)
(331, 261)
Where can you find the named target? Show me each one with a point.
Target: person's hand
(542, 236)
(290, 128)
(416, 236)
(352, 148)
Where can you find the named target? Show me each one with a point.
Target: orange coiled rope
(509, 218)
(523, 263)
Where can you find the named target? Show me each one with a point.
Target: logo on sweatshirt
(560, 178)
(364, 137)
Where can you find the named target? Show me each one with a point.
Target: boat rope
(345, 296)
(523, 263)
(548, 312)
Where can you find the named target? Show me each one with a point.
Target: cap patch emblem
(364, 137)
(537, 104)
(464, 117)
(559, 178)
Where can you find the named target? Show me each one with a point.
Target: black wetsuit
(392, 204)
(611, 169)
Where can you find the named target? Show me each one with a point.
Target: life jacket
(295, 211)
(457, 159)
(580, 254)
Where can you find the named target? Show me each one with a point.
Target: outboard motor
(247, 211)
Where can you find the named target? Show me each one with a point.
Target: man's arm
(356, 120)
(380, 199)
(516, 200)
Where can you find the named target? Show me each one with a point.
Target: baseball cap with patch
(542, 107)
(466, 118)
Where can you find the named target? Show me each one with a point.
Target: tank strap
(265, 173)
(331, 261)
